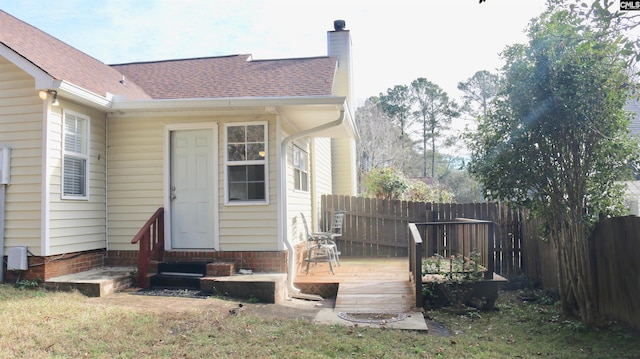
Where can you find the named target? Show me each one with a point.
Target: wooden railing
(415, 262)
(461, 236)
(151, 239)
(379, 228)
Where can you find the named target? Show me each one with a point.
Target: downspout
(106, 188)
(2, 206)
(293, 291)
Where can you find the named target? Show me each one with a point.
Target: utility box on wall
(5, 165)
(17, 258)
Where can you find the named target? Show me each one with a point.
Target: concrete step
(175, 280)
(183, 267)
(98, 282)
(178, 275)
(265, 287)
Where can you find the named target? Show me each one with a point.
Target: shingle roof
(233, 76)
(210, 77)
(62, 61)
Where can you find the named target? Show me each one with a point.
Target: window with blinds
(75, 143)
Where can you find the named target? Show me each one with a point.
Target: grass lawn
(41, 324)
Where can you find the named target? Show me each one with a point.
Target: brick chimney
(339, 45)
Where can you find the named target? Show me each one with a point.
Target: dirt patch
(174, 305)
(294, 308)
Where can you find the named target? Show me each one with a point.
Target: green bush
(385, 183)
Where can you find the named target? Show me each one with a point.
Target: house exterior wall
(250, 227)
(308, 203)
(344, 174)
(21, 120)
(77, 225)
(298, 201)
(136, 176)
(322, 172)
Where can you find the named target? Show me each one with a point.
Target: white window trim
(264, 162)
(86, 156)
(297, 171)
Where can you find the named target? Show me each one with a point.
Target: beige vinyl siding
(250, 227)
(322, 171)
(134, 178)
(77, 225)
(21, 116)
(344, 175)
(136, 175)
(298, 201)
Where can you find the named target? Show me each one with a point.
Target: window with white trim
(75, 160)
(246, 162)
(300, 169)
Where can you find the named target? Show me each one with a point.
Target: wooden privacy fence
(614, 249)
(615, 244)
(376, 227)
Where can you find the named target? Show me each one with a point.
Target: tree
(434, 110)
(464, 188)
(477, 93)
(396, 103)
(377, 145)
(556, 138)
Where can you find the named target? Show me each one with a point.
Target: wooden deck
(365, 285)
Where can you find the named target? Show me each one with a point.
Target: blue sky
(394, 42)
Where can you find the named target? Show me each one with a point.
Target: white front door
(192, 188)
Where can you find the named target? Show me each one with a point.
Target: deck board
(367, 284)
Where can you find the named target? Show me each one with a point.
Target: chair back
(310, 237)
(336, 223)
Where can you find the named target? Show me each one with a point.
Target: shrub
(385, 183)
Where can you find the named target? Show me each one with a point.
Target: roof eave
(42, 78)
(300, 112)
(82, 95)
(209, 103)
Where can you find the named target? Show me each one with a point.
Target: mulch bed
(182, 293)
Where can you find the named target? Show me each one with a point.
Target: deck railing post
(142, 260)
(490, 250)
(151, 239)
(415, 262)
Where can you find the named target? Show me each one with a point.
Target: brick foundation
(221, 269)
(269, 261)
(44, 268)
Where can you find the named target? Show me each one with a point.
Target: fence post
(491, 259)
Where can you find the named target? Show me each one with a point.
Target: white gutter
(80, 94)
(293, 291)
(208, 103)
